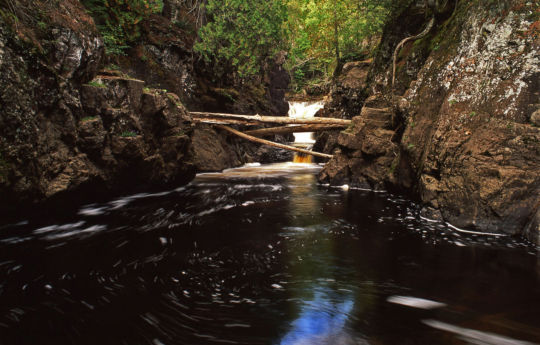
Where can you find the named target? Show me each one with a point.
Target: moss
(231, 94)
(97, 84)
(350, 128)
(112, 67)
(393, 167)
(174, 99)
(128, 134)
(88, 118)
(180, 133)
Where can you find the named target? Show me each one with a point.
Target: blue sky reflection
(320, 320)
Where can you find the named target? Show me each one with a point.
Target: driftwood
(291, 129)
(269, 119)
(271, 143)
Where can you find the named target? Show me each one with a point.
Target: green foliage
(185, 25)
(241, 34)
(97, 84)
(42, 25)
(323, 34)
(112, 67)
(118, 20)
(393, 167)
(88, 118)
(128, 134)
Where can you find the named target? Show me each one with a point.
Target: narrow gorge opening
(304, 110)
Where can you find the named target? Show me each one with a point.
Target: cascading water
(303, 110)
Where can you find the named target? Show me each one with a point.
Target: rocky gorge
(459, 129)
(74, 123)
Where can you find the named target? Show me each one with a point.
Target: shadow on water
(262, 255)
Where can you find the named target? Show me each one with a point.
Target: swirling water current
(262, 255)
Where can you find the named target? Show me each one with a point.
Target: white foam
(472, 336)
(415, 302)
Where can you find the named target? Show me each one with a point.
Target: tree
(241, 34)
(327, 33)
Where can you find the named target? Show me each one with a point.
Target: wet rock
(535, 118)
(464, 136)
(210, 150)
(336, 171)
(347, 93)
(66, 135)
(431, 213)
(532, 230)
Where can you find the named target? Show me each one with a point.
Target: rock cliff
(459, 130)
(164, 59)
(64, 131)
(76, 123)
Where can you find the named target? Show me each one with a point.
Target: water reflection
(261, 255)
(323, 304)
(322, 319)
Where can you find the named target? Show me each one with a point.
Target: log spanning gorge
(300, 122)
(262, 254)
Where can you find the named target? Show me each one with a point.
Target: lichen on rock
(464, 127)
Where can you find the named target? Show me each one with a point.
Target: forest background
(235, 37)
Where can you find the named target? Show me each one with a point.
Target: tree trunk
(291, 129)
(271, 143)
(208, 117)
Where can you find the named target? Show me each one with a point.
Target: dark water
(262, 255)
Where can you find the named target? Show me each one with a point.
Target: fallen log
(271, 143)
(225, 122)
(291, 129)
(272, 119)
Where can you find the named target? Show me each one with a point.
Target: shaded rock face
(366, 150)
(345, 100)
(164, 59)
(40, 97)
(135, 136)
(277, 81)
(263, 94)
(464, 139)
(347, 92)
(213, 150)
(61, 136)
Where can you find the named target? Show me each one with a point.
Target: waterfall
(303, 110)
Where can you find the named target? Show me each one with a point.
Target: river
(262, 255)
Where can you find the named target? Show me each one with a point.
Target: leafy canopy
(317, 34)
(325, 33)
(241, 34)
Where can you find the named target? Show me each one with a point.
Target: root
(405, 40)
